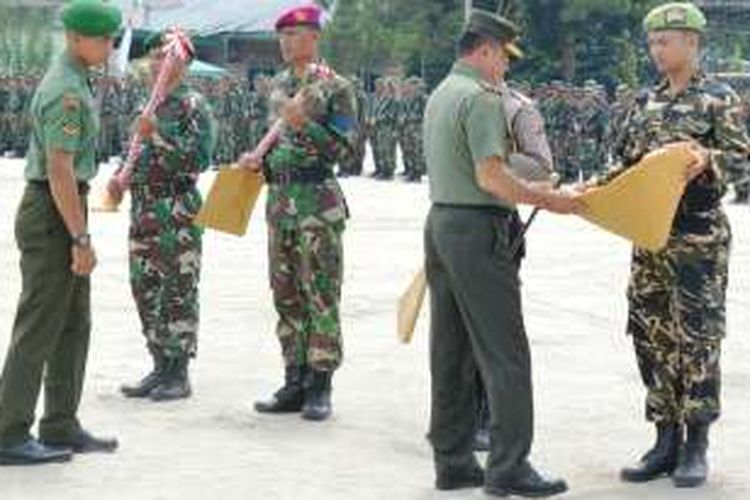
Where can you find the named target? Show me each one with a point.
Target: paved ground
(588, 397)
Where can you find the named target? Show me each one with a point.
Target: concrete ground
(588, 396)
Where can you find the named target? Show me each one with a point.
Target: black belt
(168, 189)
(83, 187)
(299, 176)
(488, 209)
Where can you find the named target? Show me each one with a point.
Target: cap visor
(514, 50)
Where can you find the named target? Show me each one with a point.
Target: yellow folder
(230, 201)
(640, 204)
(409, 306)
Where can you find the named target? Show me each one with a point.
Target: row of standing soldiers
(580, 121)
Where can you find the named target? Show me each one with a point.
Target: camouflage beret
(91, 18)
(675, 16)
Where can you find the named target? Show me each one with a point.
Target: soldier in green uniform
(306, 214)
(52, 327)
(677, 295)
(475, 303)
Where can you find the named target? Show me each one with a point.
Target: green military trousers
(475, 305)
(51, 330)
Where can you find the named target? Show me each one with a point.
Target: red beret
(309, 15)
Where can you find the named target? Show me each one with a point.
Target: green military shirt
(64, 118)
(464, 124)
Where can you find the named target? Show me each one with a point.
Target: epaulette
(488, 87)
(718, 89)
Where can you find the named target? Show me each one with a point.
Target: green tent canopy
(206, 70)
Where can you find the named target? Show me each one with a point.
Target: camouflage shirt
(708, 112)
(327, 138)
(183, 143)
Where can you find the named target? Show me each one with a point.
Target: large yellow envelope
(640, 204)
(409, 306)
(230, 201)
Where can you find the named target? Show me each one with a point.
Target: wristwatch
(82, 240)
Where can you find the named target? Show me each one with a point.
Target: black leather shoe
(148, 383)
(174, 383)
(692, 465)
(660, 460)
(83, 442)
(32, 452)
(290, 397)
(456, 478)
(317, 396)
(529, 484)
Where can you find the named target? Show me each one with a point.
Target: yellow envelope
(230, 201)
(640, 204)
(409, 306)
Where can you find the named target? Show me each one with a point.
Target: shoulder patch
(488, 87)
(718, 89)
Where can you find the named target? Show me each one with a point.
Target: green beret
(675, 16)
(91, 18)
(482, 22)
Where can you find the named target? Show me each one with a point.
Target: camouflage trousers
(589, 159)
(306, 273)
(677, 321)
(384, 142)
(411, 148)
(165, 264)
(353, 163)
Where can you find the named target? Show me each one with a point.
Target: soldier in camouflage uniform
(15, 111)
(355, 162)
(110, 139)
(617, 112)
(385, 134)
(306, 214)
(258, 110)
(677, 295)
(165, 245)
(413, 103)
(5, 122)
(742, 182)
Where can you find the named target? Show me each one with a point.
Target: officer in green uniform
(677, 295)
(53, 322)
(476, 318)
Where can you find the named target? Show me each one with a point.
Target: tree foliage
(572, 40)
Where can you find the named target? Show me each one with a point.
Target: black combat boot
(174, 383)
(317, 396)
(148, 383)
(692, 466)
(661, 459)
(291, 396)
